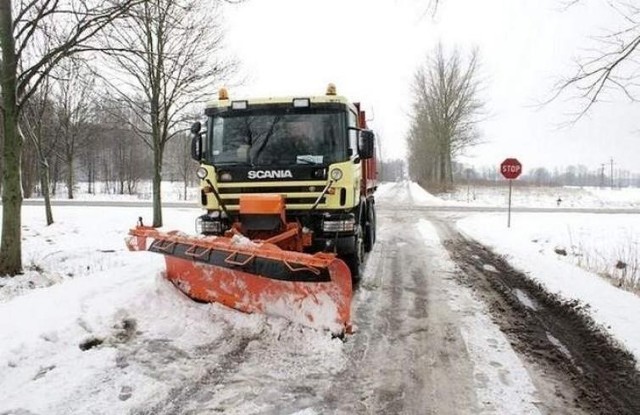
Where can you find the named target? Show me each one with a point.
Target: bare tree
(445, 114)
(74, 97)
(65, 29)
(37, 125)
(613, 66)
(169, 52)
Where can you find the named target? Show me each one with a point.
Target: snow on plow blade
(313, 290)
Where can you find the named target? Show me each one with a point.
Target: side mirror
(366, 147)
(196, 141)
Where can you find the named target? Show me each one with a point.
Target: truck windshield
(277, 137)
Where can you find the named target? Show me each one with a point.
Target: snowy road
(443, 327)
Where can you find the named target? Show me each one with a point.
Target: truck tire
(355, 261)
(370, 230)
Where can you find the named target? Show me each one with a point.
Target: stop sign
(511, 168)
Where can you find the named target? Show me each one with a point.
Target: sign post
(510, 169)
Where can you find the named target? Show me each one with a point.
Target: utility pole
(611, 173)
(602, 175)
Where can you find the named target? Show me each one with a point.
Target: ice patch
(525, 300)
(490, 268)
(563, 349)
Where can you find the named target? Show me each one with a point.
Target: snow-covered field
(171, 191)
(608, 245)
(82, 241)
(531, 196)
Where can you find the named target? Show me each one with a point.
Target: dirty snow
(529, 245)
(595, 242)
(501, 381)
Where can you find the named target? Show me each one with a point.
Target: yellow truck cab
(315, 151)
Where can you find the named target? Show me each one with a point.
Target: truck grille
(271, 189)
(232, 201)
(295, 195)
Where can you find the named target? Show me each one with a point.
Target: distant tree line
(579, 176)
(392, 170)
(80, 135)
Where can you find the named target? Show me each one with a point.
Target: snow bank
(43, 333)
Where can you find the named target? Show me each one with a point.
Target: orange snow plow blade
(313, 290)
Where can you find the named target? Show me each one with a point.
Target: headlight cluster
(211, 224)
(347, 225)
(336, 174)
(205, 227)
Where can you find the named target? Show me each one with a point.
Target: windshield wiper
(231, 163)
(272, 128)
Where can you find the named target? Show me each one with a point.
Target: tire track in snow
(357, 377)
(555, 336)
(198, 389)
(402, 356)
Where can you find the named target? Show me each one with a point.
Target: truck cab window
(353, 134)
(278, 136)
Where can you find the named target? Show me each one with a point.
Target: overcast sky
(371, 49)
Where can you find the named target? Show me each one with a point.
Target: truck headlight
(202, 173)
(347, 225)
(206, 226)
(336, 174)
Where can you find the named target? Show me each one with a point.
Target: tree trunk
(56, 176)
(157, 181)
(70, 177)
(11, 243)
(90, 175)
(1, 147)
(44, 186)
(449, 182)
(29, 173)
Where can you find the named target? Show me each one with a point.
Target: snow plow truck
(288, 187)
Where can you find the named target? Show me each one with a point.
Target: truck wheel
(370, 233)
(354, 261)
